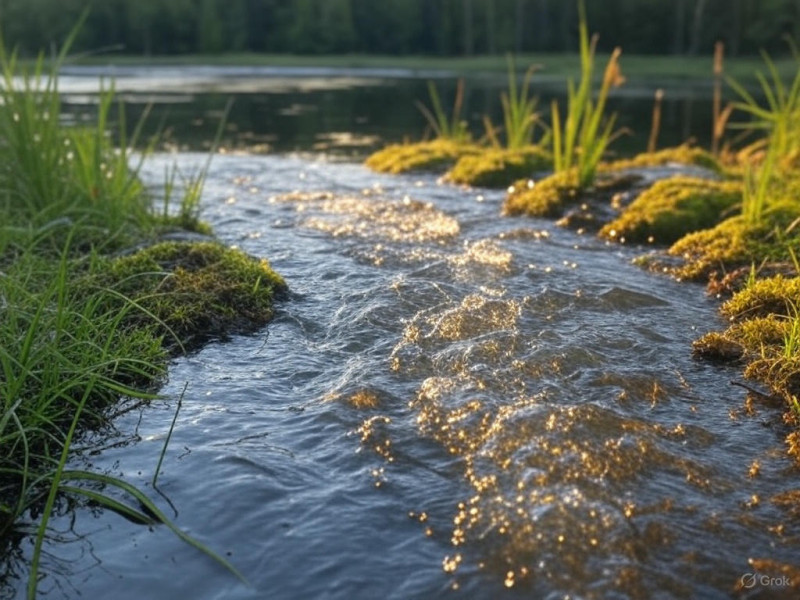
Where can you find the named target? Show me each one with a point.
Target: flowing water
(450, 403)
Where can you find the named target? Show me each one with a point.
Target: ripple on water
(526, 394)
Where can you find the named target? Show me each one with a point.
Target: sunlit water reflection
(450, 403)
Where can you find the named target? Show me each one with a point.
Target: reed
(655, 123)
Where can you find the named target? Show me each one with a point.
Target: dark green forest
(424, 27)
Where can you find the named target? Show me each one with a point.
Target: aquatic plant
(452, 140)
(520, 117)
(780, 118)
(522, 156)
(756, 190)
(451, 127)
(581, 141)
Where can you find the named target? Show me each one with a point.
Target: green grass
(582, 139)
(779, 119)
(520, 117)
(82, 324)
(452, 127)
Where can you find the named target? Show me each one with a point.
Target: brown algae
(499, 167)
(421, 156)
(671, 208)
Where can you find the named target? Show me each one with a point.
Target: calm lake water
(350, 112)
(449, 404)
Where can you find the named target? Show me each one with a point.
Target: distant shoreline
(640, 68)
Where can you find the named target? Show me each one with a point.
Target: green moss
(684, 155)
(751, 338)
(765, 335)
(775, 295)
(735, 243)
(432, 155)
(543, 198)
(718, 346)
(195, 291)
(671, 208)
(499, 167)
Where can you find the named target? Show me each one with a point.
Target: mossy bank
(93, 302)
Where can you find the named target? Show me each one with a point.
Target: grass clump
(776, 295)
(581, 141)
(578, 144)
(498, 166)
(780, 117)
(452, 140)
(736, 242)
(80, 325)
(671, 208)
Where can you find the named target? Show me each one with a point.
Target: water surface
(449, 404)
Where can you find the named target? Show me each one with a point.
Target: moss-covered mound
(682, 155)
(765, 335)
(736, 242)
(776, 295)
(544, 198)
(499, 167)
(195, 291)
(421, 156)
(671, 208)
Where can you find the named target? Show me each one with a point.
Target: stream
(449, 404)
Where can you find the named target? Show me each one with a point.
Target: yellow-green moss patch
(752, 338)
(767, 342)
(432, 155)
(673, 207)
(543, 198)
(195, 291)
(499, 167)
(735, 242)
(775, 295)
(683, 155)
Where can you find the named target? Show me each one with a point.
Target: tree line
(427, 27)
